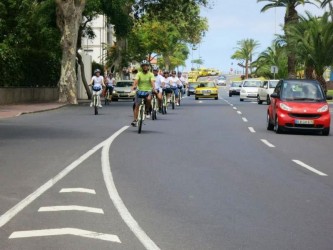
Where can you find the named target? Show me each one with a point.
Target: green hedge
(28, 67)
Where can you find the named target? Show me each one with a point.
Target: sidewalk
(7, 111)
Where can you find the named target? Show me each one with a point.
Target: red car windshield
(301, 91)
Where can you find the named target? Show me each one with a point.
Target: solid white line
(244, 119)
(252, 130)
(302, 164)
(267, 143)
(77, 190)
(65, 231)
(239, 112)
(71, 208)
(33, 196)
(117, 201)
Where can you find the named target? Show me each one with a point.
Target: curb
(40, 111)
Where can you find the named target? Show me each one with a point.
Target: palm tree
(275, 55)
(245, 51)
(314, 39)
(291, 17)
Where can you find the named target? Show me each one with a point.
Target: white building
(104, 36)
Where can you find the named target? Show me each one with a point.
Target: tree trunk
(83, 76)
(246, 69)
(309, 72)
(291, 17)
(323, 83)
(69, 16)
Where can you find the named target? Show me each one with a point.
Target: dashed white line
(252, 130)
(77, 190)
(71, 208)
(65, 231)
(268, 143)
(234, 108)
(118, 202)
(238, 112)
(302, 164)
(244, 119)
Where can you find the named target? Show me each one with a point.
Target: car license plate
(306, 122)
(207, 92)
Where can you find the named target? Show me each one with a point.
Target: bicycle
(142, 109)
(154, 106)
(164, 103)
(108, 95)
(95, 102)
(173, 98)
(180, 94)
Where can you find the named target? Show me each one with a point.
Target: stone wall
(27, 95)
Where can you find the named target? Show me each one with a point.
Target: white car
(265, 91)
(249, 89)
(221, 81)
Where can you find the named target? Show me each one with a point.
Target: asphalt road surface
(208, 175)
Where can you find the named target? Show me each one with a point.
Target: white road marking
(231, 105)
(268, 143)
(77, 190)
(65, 231)
(252, 130)
(71, 208)
(244, 119)
(200, 101)
(302, 164)
(234, 108)
(238, 112)
(33, 196)
(116, 199)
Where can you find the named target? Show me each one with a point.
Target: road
(208, 175)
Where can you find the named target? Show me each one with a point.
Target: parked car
(249, 89)
(221, 81)
(265, 91)
(122, 90)
(191, 88)
(207, 90)
(299, 105)
(234, 88)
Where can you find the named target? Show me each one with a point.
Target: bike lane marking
(77, 190)
(116, 199)
(71, 208)
(11, 213)
(302, 164)
(268, 143)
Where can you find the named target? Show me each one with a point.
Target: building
(104, 36)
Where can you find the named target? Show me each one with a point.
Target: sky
(234, 20)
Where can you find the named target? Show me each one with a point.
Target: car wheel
(258, 100)
(326, 131)
(268, 101)
(269, 124)
(241, 99)
(115, 99)
(188, 94)
(230, 95)
(278, 129)
(216, 98)
(196, 98)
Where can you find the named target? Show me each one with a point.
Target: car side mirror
(275, 95)
(329, 97)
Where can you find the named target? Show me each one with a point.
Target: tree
(275, 55)
(291, 17)
(245, 51)
(69, 17)
(314, 39)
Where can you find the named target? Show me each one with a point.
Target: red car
(299, 105)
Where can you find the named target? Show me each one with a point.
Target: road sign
(274, 69)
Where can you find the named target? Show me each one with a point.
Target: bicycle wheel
(140, 120)
(179, 97)
(95, 105)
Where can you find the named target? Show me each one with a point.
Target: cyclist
(166, 84)
(182, 80)
(145, 83)
(97, 81)
(110, 82)
(175, 83)
(158, 86)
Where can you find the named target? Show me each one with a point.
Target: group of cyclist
(146, 84)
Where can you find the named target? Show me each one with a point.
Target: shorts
(167, 90)
(176, 90)
(159, 90)
(138, 98)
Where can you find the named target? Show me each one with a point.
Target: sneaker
(100, 106)
(177, 104)
(91, 104)
(134, 123)
(148, 116)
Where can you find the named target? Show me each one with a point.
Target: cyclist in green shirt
(145, 82)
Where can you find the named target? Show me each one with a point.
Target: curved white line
(115, 197)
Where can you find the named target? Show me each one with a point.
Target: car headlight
(114, 92)
(323, 109)
(285, 107)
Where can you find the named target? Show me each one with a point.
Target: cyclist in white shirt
(166, 84)
(158, 86)
(110, 82)
(175, 83)
(183, 81)
(97, 82)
